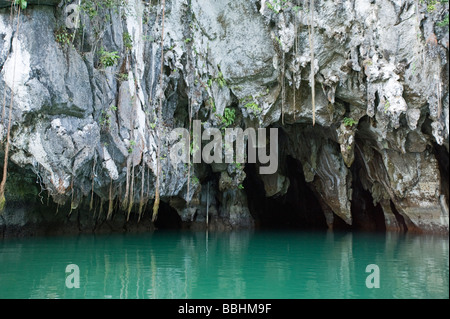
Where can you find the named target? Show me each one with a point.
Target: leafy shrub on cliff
(22, 3)
(108, 58)
(348, 121)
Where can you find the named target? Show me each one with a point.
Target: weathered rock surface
(89, 131)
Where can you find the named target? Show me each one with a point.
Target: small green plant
(132, 144)
(93, 7)
(228, 117)
(89, 8)
(127, 41)
(278, 40)
(62, 36)
(241, 186)
(253, 106)
(105, 118)
(296, 8)
(277, 5)
(413, 68)
(220, 80)
(368, 62)
(108, 59)
(194, 147)
(212, 104)
(431, 4)
(22, 3)
(148, 38)
(187, 40)
(386, 106)
(195, 180)
(122, 77)
(348, 121)
(443, 23)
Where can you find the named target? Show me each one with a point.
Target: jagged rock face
(89, 130)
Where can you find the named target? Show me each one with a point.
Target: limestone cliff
(85, 125)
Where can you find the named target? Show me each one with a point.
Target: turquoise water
(226, 265)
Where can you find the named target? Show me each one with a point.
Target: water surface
(292, 265)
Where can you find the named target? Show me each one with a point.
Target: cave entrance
(297, 209)
(442, 157)
(168, 217)
(365, 215)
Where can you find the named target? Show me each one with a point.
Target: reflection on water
(227, 265)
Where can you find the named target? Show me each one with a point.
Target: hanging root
(127, 186)
(155, 206)
(110, 204)
(8, 134)
(71, 198)
(141, 200)
(311, 46)
(2, 202)
(91, 203)
(131, 201)
(158, 155)
(295, 56)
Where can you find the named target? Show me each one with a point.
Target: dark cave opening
(297, 209)
(365, 215)
(442, 156)
(168, 217)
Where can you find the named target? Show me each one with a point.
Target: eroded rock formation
(86, 128)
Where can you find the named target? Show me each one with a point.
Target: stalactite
(311, 46)
(158, 151)
(439, 94)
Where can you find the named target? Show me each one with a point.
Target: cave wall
(90, 132)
